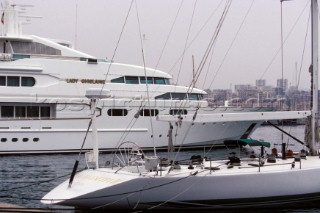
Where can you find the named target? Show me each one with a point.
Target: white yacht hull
(243, 186)
(60, 135)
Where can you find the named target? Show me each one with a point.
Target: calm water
(25, 179)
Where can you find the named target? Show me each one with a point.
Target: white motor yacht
(43, 108)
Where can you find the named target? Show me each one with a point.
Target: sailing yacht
(131, 180)
(134, 181)
(43, 108)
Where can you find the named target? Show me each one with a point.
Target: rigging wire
(200, 68)
(93, 111)
(130, 125)
(116, 48)
(209, 48)
(76, 27)
(186, 42)
(169, 34)
(304, 47)
(185, 46)
(208, 68)
(230, 46)
(214, 39)
(184, 138)
(145, 74)
(114, 53)
(153, 93)
(286, 38)
(197, 35)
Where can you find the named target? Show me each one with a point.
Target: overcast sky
(240, 55)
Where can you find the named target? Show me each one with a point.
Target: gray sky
(99, 23)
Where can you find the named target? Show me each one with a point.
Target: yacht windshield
(23, 47)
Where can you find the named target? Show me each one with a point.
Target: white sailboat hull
(244, 186)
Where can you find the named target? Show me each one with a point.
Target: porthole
(3, 140)
(14, 139)
(149, 112)
(178, 112)
(117, 112)
(25, 139)
(35, 139)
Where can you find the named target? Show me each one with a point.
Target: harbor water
(25, 179)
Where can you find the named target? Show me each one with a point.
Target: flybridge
(13, 41)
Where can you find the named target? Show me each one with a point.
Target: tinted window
(159, 81)
(32, 111)
(20, 112)
(118, 80)
(132, 80)
(45, 112)
(179, 96)
(7, 111)
(117, 112)
(25, 139)
(35, 139)
(27, 81)
(149, 112)
(178, 112)
(2, 81)
(33, 48)
(165, 96)
(13, 81)
(3, 140)
(143, 80)
(193, 97)
(14, 139)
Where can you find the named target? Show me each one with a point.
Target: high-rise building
(283, 84)
(261, 83)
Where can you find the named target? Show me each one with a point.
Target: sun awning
(244, 142)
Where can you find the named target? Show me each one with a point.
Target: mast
(94, 132)
(95, 94)
(314, 47)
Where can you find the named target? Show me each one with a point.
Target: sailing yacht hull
(233, 188)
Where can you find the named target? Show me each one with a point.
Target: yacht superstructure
(42, 102)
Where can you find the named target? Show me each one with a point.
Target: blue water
(25, 179)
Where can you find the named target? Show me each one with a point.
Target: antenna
(12, 19)
(76, 27)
